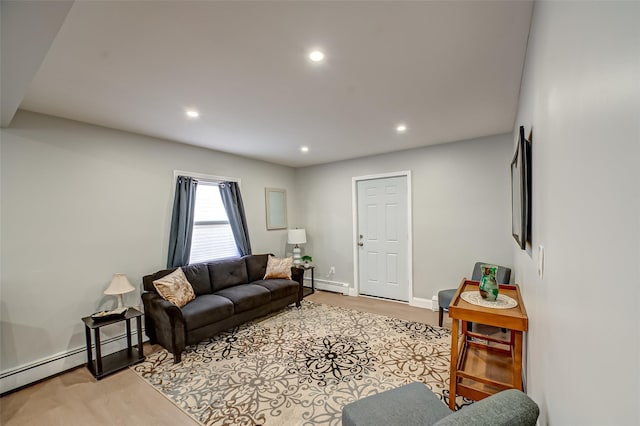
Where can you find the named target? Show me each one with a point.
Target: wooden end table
(482, 365)
(118, 360)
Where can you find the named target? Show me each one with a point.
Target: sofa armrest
(163, 321)
(507, 408)
(297, 274)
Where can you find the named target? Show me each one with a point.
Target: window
(212, 235)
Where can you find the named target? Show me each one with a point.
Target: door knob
(360, 243)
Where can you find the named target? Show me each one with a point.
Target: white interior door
(383, 237)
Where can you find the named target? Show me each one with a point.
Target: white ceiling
(450, 70)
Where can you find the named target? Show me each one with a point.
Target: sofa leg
(177, 357)
(297, 303)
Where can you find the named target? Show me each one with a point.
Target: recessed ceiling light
(316, 56)
(192, 113)
(401, 128)
(304, 149)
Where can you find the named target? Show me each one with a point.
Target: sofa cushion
(246, 297)
(198, 275)
(205, 310)
(226, 273)
(175, 288)
(279, 288)
(256, 266)
(278, 268)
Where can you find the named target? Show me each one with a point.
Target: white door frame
(354, 211)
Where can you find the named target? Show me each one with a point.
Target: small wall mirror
(276, 200)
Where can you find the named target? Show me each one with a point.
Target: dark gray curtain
(181, 232)
(232, 201)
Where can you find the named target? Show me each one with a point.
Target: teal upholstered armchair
(445, 296)
(415, 404)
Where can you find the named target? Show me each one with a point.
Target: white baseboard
(344, 288)
(43, 368)
(434, 304)
(419, 302)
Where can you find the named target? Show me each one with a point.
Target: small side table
(306, 291)
(118, 360)
(483, 365)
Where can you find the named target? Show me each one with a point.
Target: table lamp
(296, 236)
(119, 285)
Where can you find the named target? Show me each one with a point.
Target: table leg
(313, 286)
(129, 351)
(87, 334)
(517, 360)
(98, 352)
(129, 348)
(139, 329)
(454, 365)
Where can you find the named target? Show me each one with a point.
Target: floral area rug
(300, 366)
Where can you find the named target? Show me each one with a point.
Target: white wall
(581, 95)
(461, 210)
(80, 203)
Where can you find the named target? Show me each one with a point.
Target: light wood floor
(76, 398)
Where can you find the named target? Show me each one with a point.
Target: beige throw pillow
(278, 268)
(175, 288)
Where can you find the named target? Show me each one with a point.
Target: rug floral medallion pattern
(300, 366)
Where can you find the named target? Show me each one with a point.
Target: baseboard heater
(19, 377)
(334, 286)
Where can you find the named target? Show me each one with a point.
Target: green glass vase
(488, 284)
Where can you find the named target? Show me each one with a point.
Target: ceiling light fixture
(316, 56)
(401, 128)
(192, 113)
(304, 149)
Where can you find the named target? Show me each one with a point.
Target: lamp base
(296, 256)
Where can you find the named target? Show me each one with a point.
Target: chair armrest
(507, 408)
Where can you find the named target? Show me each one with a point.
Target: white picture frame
(276, 206)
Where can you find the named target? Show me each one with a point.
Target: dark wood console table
(111, 363)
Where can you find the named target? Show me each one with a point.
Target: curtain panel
(232, 200)
(182, 222)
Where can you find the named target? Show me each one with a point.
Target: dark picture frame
(521, 191)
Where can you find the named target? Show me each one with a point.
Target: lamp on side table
(296, 236)
(119, 285)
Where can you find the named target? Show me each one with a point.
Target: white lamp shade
(119, 285)
(297, 236)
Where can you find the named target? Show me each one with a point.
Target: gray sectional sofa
(228, 292)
